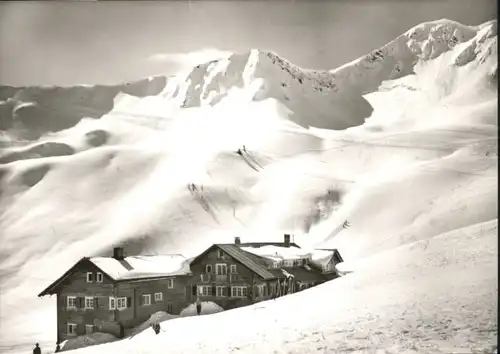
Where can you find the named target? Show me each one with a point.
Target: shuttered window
(205, 290)
(221, 291)
(89, 302)
(238, 291)
(112, 303)
(170, 283)
(90, 277)
(71, 302)
(146, 299)
(121, 303)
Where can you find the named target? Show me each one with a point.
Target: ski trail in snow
(252, 165)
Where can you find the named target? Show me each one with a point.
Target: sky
(78, 42)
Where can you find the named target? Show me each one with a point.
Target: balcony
(205, 278)
(221, 277)
(235, 277)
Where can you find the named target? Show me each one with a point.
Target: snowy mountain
(402, 143)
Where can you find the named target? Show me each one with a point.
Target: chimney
(237, 241)
(287, 240)
(118, 253)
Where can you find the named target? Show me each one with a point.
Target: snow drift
(405, 138)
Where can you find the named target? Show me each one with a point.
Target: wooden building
(111, 294)
(239, 274)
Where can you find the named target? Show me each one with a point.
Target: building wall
(174, 300)
(332, 272)
(244, 276)
(102, 317)
(76, 285)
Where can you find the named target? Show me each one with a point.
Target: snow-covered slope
(407, 300)
(402, 143)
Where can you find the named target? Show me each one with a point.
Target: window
(71, 302)
(112, 303)
(158, 296)
(288, 263)
(121, 303)
(89, 329)
(146, 299)
(205, 290)
(90, 277)
(170, 283)
(71, 328)
(208, 268)
(221, 291)
(220, 254)
(299, 262)
(89, 302)
(238, 291)
(99, 277)
(221, 269)
(262, 288)
(233, 269)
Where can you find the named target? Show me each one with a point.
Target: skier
(346, 224)
(198, 306)
(244, 148)
(37, 349)
(239, 152)
(192, 187)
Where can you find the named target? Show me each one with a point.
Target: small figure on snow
(156, 327)
(239, 152)
(198, 306)
(58, 348)
(37, 349)
(192, 187)
(244, 148)
(346, 224)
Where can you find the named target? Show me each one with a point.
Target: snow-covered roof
(274, 253)
(142, 266)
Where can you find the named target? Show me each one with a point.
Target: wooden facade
(90, 300)
(226, 281)
(97, 303)
(73, 301)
